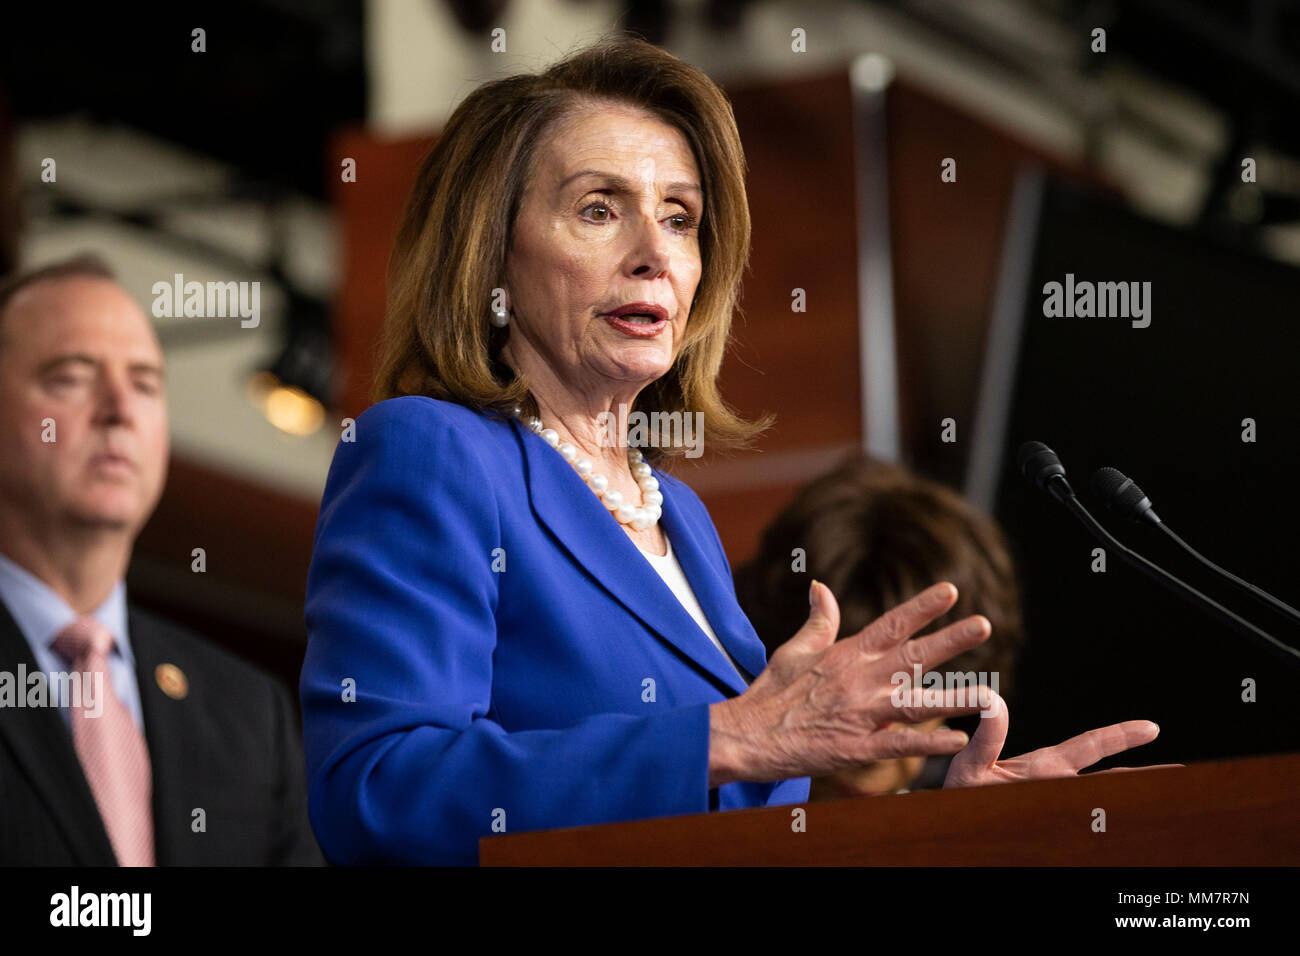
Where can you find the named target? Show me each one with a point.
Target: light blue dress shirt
(42, 615)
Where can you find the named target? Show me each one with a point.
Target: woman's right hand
(823, 704)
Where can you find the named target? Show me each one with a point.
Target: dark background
(1164, 404)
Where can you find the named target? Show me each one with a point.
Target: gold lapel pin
(171, 681)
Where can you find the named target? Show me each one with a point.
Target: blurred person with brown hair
(876, 533)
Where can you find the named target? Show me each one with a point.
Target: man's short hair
(86, 264)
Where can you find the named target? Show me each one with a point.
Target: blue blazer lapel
(568, 508)
(713, 587)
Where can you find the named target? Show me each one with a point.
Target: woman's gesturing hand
(978, 764)
(823, 704)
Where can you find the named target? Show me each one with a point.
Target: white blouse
(670, 569)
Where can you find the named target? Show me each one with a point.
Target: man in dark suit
(174, 751)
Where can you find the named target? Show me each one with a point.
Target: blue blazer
(490, 652)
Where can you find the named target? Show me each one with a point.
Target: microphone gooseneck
(1042, 468)
(1121, 495)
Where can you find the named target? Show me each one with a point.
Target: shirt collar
(42, 615)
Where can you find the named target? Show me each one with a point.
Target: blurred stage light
(296, 390)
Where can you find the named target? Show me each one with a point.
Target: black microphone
(1126, 499)
(1042, 468)
(1123, 496)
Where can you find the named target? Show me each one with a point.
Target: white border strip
(870, 76)
(1001, 355)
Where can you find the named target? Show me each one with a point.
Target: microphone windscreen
(1120, 493)
(1038, 463)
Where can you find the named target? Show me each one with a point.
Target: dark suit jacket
(231, 747)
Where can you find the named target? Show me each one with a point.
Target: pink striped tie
(111, 748)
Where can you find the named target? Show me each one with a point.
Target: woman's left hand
(978, 764)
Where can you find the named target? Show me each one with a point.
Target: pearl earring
(500, 318)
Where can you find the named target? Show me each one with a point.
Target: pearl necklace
(640, 518)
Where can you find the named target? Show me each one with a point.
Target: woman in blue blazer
(516, 660)
(515, 620)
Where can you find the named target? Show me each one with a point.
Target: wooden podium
(1242, 812)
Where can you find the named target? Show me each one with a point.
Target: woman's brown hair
(878, 534)
(451, 248)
